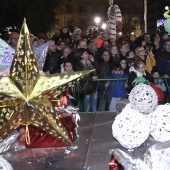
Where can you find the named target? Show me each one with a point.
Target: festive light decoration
(6, 56)
(25, 96)
(41, 53)
(131, 128)
(155, 157)
(167, 22)
(4, 164)
(115, 19)
(143, 98)
(160, 125)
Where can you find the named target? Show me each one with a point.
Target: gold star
(25, 96)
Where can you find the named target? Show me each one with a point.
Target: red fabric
(64, 98)
(114, 164)
(41, 139)
(158, 91)
(99, 42)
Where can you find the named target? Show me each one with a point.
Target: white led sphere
(131, 128)
(143, 99)
(160, 123)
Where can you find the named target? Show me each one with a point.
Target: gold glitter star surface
(25, 96)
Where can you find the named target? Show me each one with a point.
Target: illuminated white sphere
(160, 123)
(127, 107)
(131, 128)
(143, 98)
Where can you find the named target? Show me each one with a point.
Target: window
(82, 9)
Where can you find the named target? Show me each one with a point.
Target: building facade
(81, 13)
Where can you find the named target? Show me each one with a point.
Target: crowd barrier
(80, 92)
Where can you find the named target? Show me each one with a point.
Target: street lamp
(97, 20)
(104, 26)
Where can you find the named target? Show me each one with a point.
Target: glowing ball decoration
(131, 128)
(160, 123)
(143, 99)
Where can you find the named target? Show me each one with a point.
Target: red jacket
(158, 91)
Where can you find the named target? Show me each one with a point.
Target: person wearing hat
(34, 41)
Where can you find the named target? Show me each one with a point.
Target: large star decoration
(25, 96)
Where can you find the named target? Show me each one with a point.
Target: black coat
(53, 62)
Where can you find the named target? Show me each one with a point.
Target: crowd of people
(148, 56)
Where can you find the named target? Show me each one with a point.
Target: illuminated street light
(120, 33)
(104, 26)
(97, 20)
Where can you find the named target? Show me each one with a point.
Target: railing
(80, 90)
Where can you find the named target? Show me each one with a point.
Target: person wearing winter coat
(116, 90)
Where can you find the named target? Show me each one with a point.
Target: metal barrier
(80, 90)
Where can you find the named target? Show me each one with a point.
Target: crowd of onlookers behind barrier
(148, 56)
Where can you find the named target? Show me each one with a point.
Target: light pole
(145, 15)
(97, 21)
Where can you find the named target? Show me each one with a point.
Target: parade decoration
(40, 54)
(131, 128)
(25, 95)
(143, 99)
(115, 19)
(167, 22)
(4, 164)
(154, 158)
(6, 56)
(160, 123)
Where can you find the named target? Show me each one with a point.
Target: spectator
(116, 90)
(97, 38)
(65, 52)
(104, 36)
(147, 59)
(13, 38)
(114, 54)
(60, 45)
(65, 36)
(71, 57)
(138, 71)
(147, 38)
(87, 62)
(106, 68)
(164, 37)
(123, 64)
(34, 41)
(53, 59)
(42, 39)
(130, 54)
(68, 67)
(123, 49)
(158, 86)
(163, 65)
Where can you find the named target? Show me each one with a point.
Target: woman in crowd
(87, 62)
(148, 59)
(106, 65)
